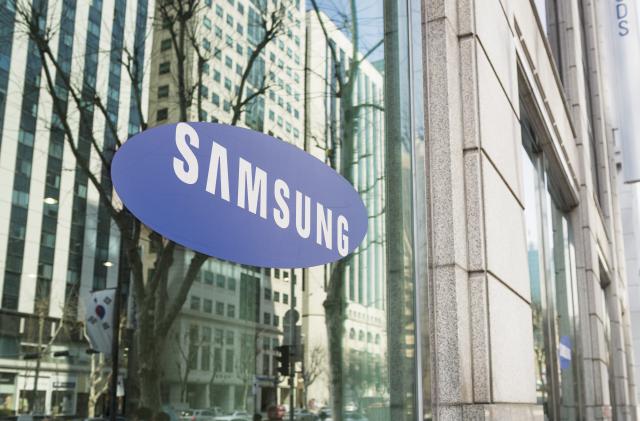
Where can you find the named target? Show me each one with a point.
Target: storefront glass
(553, 285)
(352, 320)
(203, 338)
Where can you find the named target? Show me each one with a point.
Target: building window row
(207, 306)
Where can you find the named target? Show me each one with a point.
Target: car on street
(325, 414)
(234, 416)
(302, 415)
(198, 415)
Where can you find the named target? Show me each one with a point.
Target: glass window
(165, 44)
(164, 67)
(228, 360)
(552, 275)
(209, 328)
(163, 91)
(208, 277)
(207, 306)
(195, 303)
(162, 114)
(205, 358)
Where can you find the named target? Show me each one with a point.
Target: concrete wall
(482, 58)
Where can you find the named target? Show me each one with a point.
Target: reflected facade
(205, 337)
(551, 258)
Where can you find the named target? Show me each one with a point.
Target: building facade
(57, 241)
(525, 222)
(365, 280)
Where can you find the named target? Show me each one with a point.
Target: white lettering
(303, 231)
(254, 187)
(253, 192)
(281, 192)
(343, 239)
(323, 226)
(190, 174)
(218, 162)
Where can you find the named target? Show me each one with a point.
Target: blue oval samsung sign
(239, 195)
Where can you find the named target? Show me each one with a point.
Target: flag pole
(115, 343)
(113, 389)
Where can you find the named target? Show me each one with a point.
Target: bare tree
(101, 370)
(313, 368)
(99, 378)
(188, 347)
(246, 365)
(156, 308)
(342, 86)
(212, 381)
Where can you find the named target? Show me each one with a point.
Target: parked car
(234, 416)
(217, 410)
(303, 415)
(325, 415)
(26, 417)
(105, 418)
(198, 415)
(354, 416)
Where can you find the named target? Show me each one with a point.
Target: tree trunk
(334, 307)
(246, 397)
(150, 382)
(149, 350)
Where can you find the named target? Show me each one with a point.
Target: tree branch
(271, 30)
(332, 49)
(178, 301)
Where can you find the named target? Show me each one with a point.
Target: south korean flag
(99, 319)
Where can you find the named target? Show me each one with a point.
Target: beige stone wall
(482, 57)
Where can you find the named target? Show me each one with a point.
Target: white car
(234, 416)
(198, 415)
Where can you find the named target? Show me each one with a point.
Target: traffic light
(283, 359)
(31, 356)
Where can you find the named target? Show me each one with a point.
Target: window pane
(553, 286)
(223, 337)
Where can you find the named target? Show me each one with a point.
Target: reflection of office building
(222, 347)
(223, 343)
(56, 241)
(630, 219)
(229, 32)
(364, 278)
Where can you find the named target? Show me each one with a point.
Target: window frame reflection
(552, 272)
